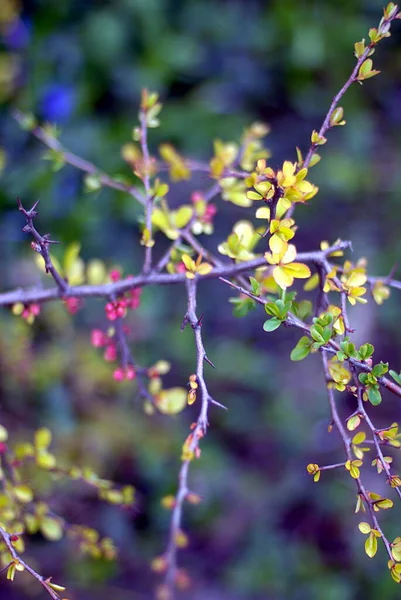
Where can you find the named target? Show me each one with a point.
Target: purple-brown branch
(41, 245)
(7, 539)
(198, 431)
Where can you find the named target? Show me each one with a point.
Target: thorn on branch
(199, 321)
(209, 362)
(212, 401)
(184, 323)
(31, 213)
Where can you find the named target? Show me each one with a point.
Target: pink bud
(118, 374)
(35, 309)
(72, 305)
(115, 275)
(110, 354)
(98, 339)
(130, 373)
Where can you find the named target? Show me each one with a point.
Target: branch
(374, 431)
(331, 347)
(347, 447)
(41, 245)
(351, 79)
(18, 561)
(76, 161)
(108, 289)
(191, 446)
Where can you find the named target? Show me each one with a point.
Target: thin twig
(326, 125)
(41, 245)
(7, 539)
(347, 447)
(198, 432)
(78, 162)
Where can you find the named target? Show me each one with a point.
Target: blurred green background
(263, 530)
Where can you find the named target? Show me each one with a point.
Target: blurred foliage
(263, 529)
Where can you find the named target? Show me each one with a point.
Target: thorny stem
(198, 431)
(105, 290)
(7, 537)
(41, 245)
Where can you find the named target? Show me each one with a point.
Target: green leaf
(374, 395)
(255, 286)
(272, 309)
(302, 309)
(366, 351)
(242, 306)
(317, 334)
(380, 369)
(395, 376)
(272, 324)
(302, 349)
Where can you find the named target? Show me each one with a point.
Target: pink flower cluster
(30, 311)
(99, 339)
(117, 309)
(72, 305)
(124, 373)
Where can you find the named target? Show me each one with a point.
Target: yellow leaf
(298, 270)
(51, 528)
(371, 545)
(364, 527)
(23, 493)
(188, 262)
(282, 277)
(204, 269)
(171, 401)
(359, 438)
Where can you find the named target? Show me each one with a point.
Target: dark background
(264, 530)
